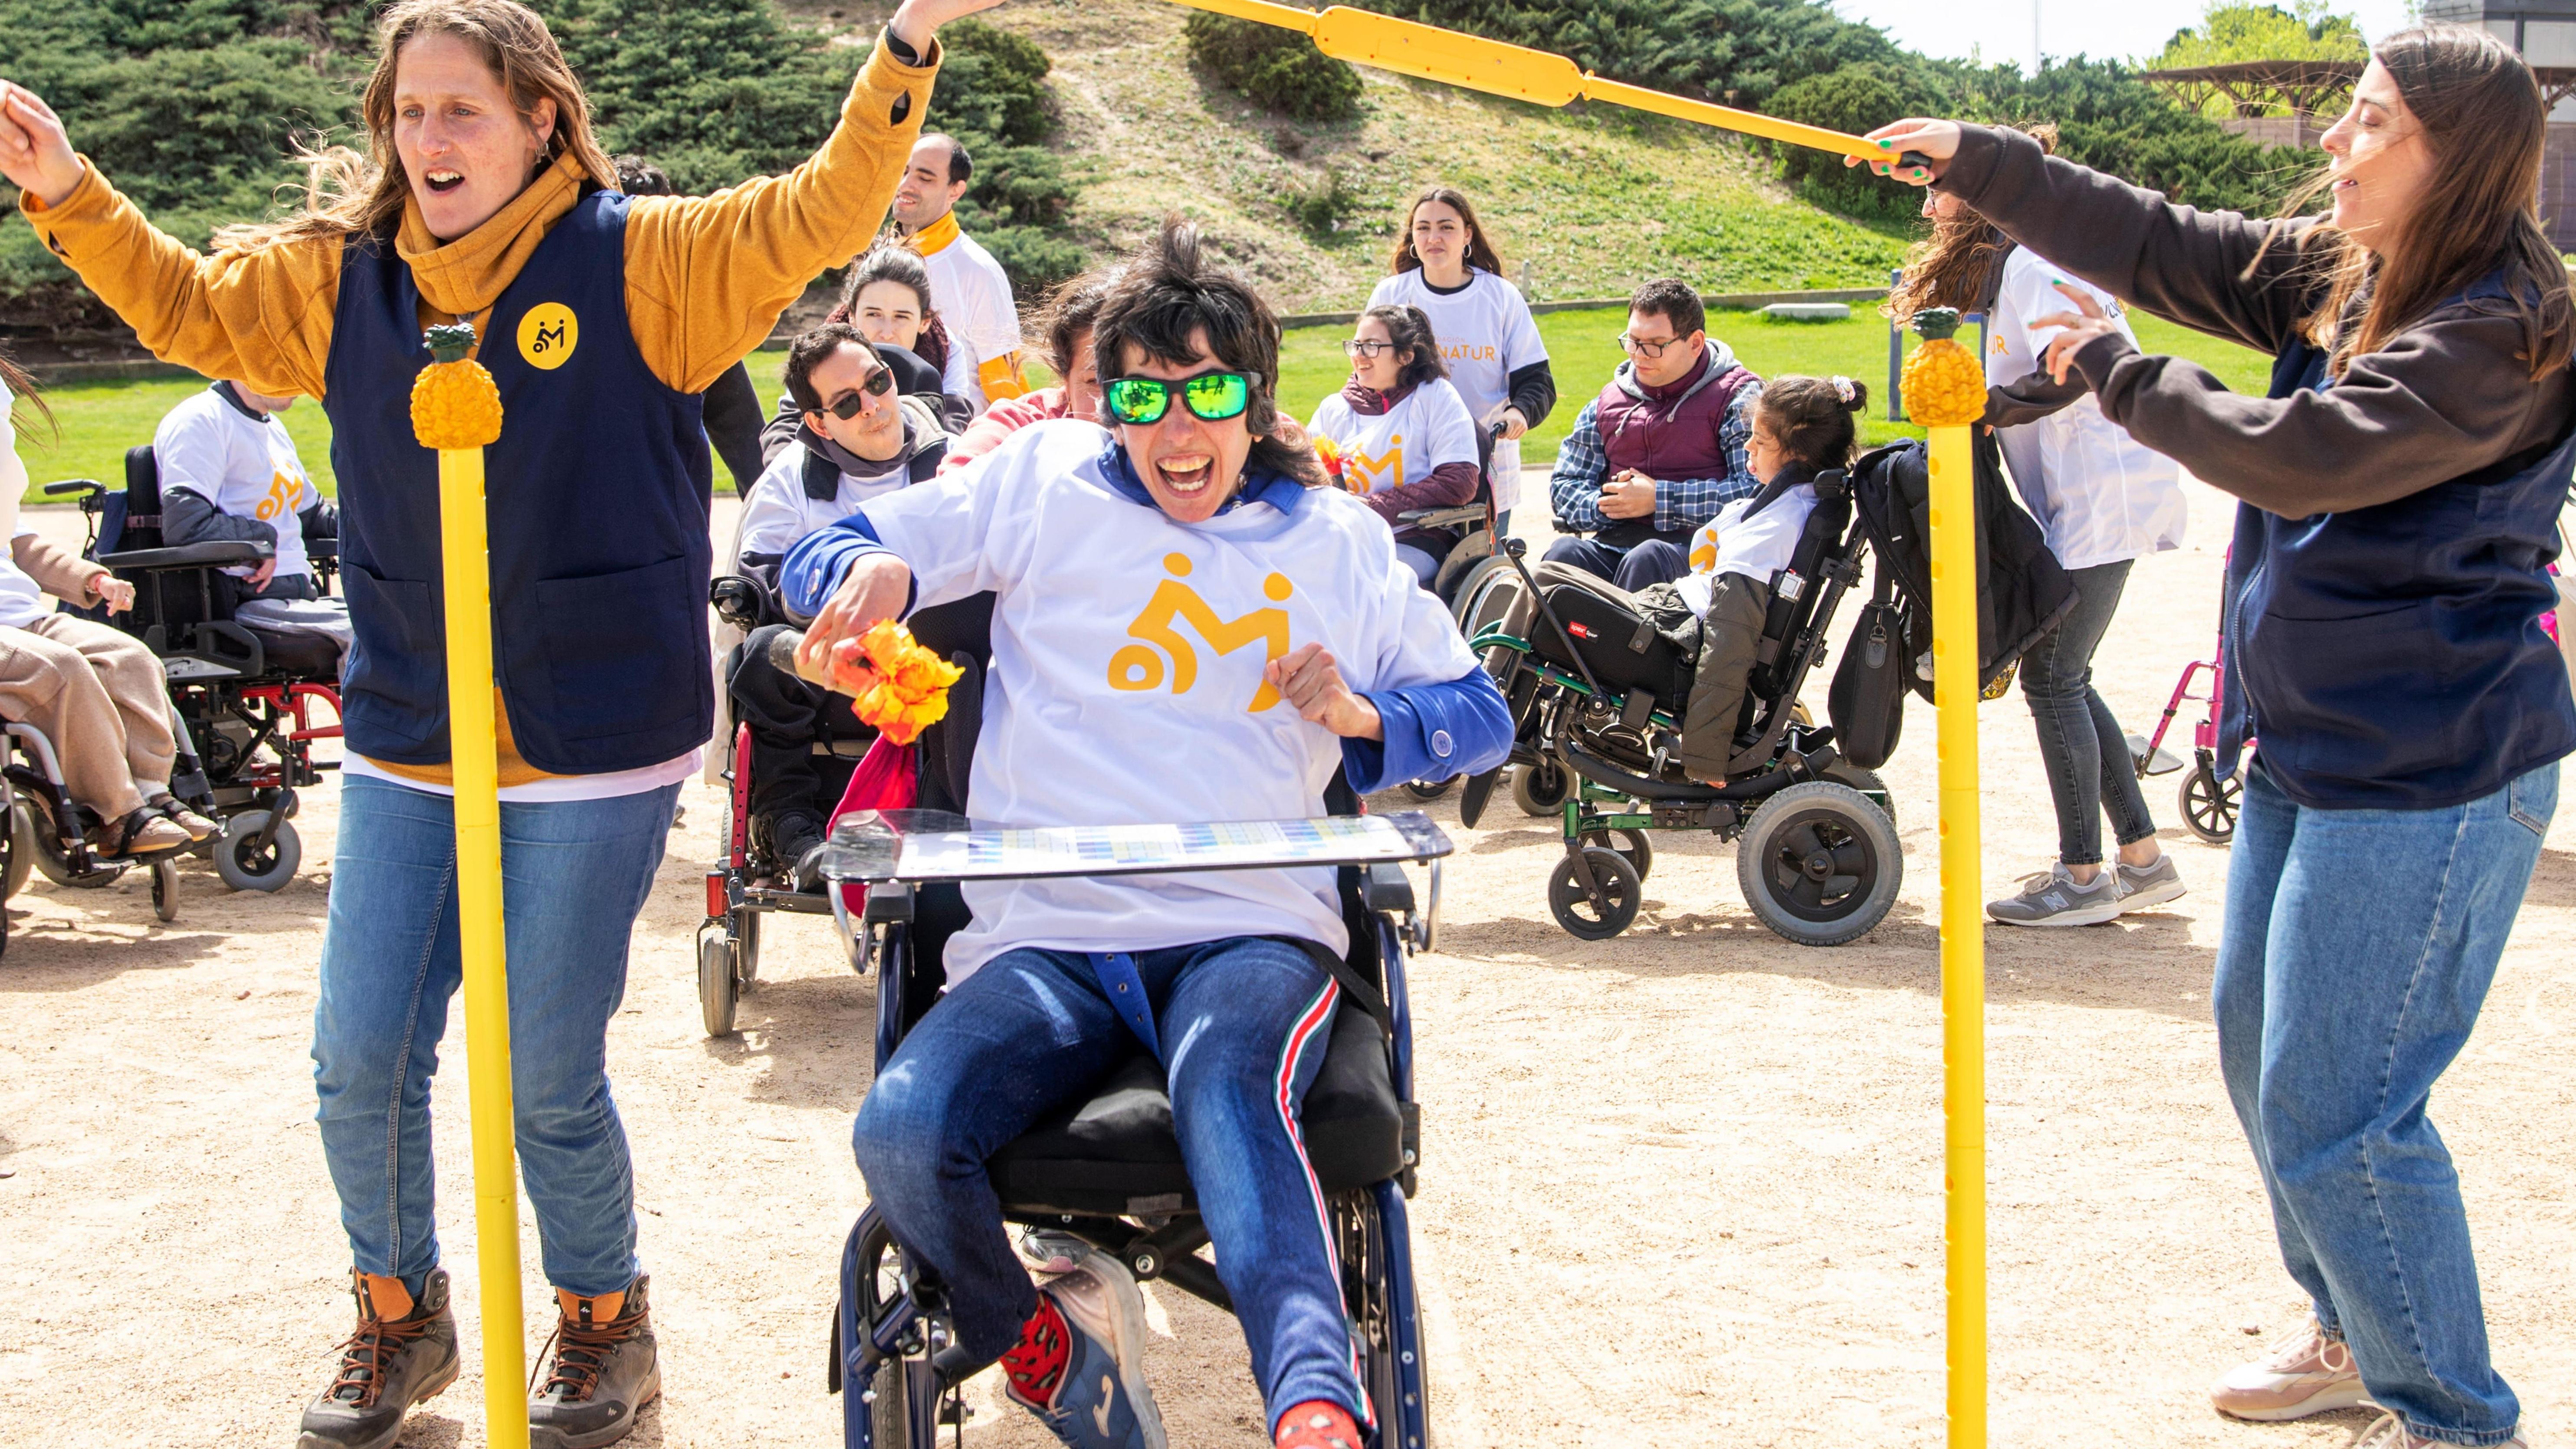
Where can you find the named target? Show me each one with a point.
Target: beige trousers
(100, 697)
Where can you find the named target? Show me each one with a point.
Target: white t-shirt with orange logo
(1126, 685)
(1431, 426)
(243, 464)
(1486, 333)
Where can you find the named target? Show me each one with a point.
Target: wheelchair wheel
(21, 847)
(2209, 803)
(1387, 1370)
(1429, 789)
(165, 889)
(46, 837)
(1633, 847)
(1591, 916)
(1867, 782)
(889, 1391)
(1541, 789)
(718, 990)
(245, 864)
(1819, 863)
(745, 930)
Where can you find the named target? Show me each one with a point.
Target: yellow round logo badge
(548, 334)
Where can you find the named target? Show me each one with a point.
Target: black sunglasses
(847, 405)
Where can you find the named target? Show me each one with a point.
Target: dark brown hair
(809, 351)
(1812, 417)
(348, 194)
(1954, 267)
(894, 262)
(1674, 300)
(1070, 311)
(1409, 328)
(1169, 291)
(2484, 124)
(1481, 251)
(20, 385)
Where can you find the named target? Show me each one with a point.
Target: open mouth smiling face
(467, 149)
(1191, 466)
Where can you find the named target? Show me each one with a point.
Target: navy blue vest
(598, 509)
(2392, 657)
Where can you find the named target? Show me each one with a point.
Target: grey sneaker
(2391, 1433)
(388, 1365)
(605, 1371)
(2052, 898)
(2143, 886)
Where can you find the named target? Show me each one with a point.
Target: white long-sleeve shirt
(973, 295)
(1126, 684)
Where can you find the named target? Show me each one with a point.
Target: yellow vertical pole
(1945, 390)
(456, 409)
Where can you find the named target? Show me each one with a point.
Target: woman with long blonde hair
(484, 196)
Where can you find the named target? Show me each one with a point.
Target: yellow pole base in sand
(457, 410)
(1963, 944)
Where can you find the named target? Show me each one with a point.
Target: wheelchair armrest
(1385, 887)
(190, 556)
(888, 902)
(740, 601)
(322, 550)
(1461, 515)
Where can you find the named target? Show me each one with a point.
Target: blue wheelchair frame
(882, 1347)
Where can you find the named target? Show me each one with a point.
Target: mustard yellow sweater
(706, 277)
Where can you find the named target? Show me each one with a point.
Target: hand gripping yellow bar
(456, 409)
(1408, 47)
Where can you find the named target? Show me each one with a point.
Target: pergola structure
(2305, 88)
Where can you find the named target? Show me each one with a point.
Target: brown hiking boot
(605, 1371)
(402, 1353)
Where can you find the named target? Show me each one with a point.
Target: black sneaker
(605, 1371)
(387, 1366)
(793, 834)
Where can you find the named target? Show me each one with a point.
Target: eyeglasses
(1366, 347)
(1210, 396)
(1644, 347)
(847, 405)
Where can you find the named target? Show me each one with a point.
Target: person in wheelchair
(230, 474)
(1131, 571)
(1400, 436)
(96, 693)
(1802, 426)
(857, 440)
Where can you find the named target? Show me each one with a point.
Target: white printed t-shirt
(1485, 332)
(1756, 547)
(1431, 426)
(973, 295)
(1109, 703)
(244, 464)
(21, 602)
(2100, 495)
(777, 512)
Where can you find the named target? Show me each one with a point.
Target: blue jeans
(1657, 560)
(2080, 744)
(1243, 1025)
(2358, 948)
(574, 876)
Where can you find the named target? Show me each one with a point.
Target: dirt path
(1682, 1188)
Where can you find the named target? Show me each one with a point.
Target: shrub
(1276, 67)
(1855, 99)
(1326, 205)
(992, 96)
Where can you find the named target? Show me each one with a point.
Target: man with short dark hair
(1187, 627)
(1660, 451)
(970, 289)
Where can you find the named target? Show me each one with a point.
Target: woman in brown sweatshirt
(2401, 488)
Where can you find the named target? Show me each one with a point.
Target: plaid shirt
(1582, 465)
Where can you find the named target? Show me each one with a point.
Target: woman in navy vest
(485, 197)
(2401, 488)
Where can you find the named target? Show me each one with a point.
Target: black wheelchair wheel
(1867, 782)
(745, 930)
(165, 889)
(1601, 914)
(1429, 789)
(718, 990)
(1541, 789)
(245, 863)
(45, 835)
(1819, 863)
(2209, 803)
(18, 839)
(1360, 1233)
(1632, 846)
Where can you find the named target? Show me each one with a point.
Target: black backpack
(1867, 700)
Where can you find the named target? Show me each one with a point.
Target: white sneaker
(2305, 1373)
(2391, 1433)
(2053, 898)
(2145, 886)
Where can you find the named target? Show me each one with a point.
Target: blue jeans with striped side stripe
(1242, 1024)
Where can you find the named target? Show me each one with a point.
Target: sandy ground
(1681, 1188)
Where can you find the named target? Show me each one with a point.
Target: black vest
(597, 507)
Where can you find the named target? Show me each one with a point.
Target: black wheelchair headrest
(142, 480)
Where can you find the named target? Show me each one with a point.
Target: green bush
(1327, 205)
(992, 96)
(1279, 68)
(1854, 99)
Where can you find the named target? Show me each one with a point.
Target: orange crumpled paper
(897, 685)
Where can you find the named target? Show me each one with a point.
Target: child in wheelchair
(1134, 573)
(1715, 615)
(230, 474)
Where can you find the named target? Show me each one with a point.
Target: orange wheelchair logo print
(548, 334)
(1141, 667)
(1364, 474)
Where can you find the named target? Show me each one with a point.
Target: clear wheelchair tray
(934, 845)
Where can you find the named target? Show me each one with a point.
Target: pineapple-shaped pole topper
(1944, 386)
(455, 405)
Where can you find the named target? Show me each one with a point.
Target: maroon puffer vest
(1673, 436)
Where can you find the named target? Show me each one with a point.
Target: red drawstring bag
(888, 778)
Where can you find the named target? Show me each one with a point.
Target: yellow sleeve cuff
(1001, 377)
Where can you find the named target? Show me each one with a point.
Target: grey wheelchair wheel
(1541, 789)
(245, 864)
(1867, 782)
(1820, 864)
(165, 889)
(21, 847)
(718, 989)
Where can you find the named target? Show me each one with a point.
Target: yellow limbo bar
(1963, 953)
(1408, 47)
(457, 410)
